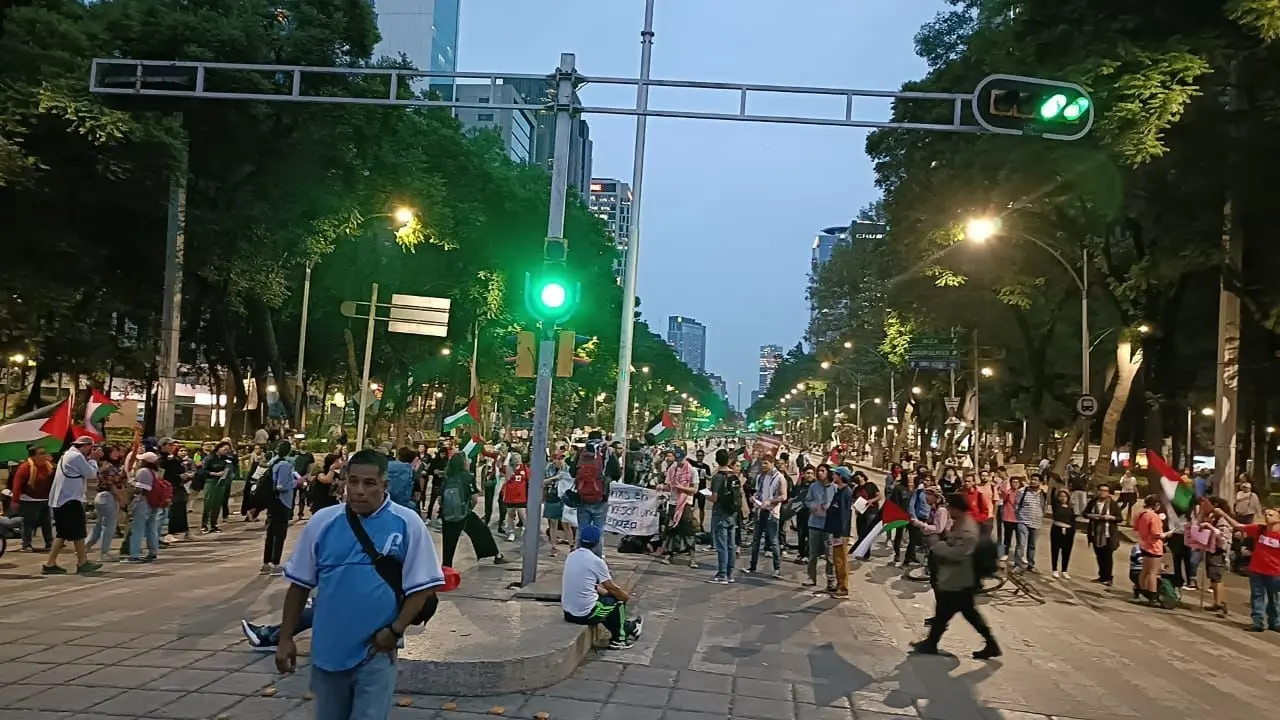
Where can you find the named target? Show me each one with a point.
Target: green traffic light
(1053, 107)
(1076, 109)
(553, 295)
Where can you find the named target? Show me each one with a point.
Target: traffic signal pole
(565, 76)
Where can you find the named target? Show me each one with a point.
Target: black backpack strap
(388, 574)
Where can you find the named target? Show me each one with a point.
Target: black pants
(608, 612)
(481, 538)
(1106, 562)
(437, 488)
(1007, 532)
(898, 535)
(489, 490)
(178, 523)
(947, 604)
(278, 517)
(1060, 541)
(915, 541)
(35, 513)
(802, 530)
(1182, 569)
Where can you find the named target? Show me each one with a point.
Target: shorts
(1146, 554)
(1128, 498)
(69, 521)
(1215, 564)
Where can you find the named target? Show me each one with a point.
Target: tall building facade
(717, 385)
(541, 92)
(426, 31)
(515, 127)
(770, 358)
(824, 246)
(610, 200)
(688, 338)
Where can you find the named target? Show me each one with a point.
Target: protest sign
(633, 510)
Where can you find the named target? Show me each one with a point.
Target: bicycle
(985, 584)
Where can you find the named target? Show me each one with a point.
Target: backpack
(729, 499)
(40, 486)
(453, 501)
(264, 492)
(589, 482)
(161, 493)
(986, 558)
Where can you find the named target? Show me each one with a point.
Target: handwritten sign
(633, 510)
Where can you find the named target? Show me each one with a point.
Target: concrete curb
(559, 650)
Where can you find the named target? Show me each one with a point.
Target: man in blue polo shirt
(358, 621)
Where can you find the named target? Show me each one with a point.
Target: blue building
(425, 31)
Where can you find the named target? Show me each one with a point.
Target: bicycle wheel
(990, 584)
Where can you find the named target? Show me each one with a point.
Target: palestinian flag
(473, 447)
(662, 429)
(1179, 496)
(892, 517)
(96, 410)
(46, 427)
(469, 415)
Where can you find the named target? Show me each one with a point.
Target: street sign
(675, 409)
(953, 403)
(935, 353)
(933, 364)
(1087, 405)
(419, 315)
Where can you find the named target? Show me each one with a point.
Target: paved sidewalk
(161, 642)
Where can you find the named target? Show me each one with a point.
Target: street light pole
(631, 268)
(364, 374)
(302, 348)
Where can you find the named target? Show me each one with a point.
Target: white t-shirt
(583, 571)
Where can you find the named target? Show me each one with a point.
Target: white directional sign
(1087, 405)
(419, 315)
(953, 403)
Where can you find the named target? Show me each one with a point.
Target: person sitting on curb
(589, 596)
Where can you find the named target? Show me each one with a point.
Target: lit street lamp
(987, 372)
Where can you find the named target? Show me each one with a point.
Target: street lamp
(979, 230)
(916, 390)
(848, 344)
(1206, 411)
(1143, 329)
(446, 351)
(826, 364)
(987, 372)
(404, 215)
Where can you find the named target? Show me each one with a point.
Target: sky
(730, 209)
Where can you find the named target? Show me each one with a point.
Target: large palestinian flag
(469, 415)
(96, 410)
(662, 429)
(891, 518)
(47, 427)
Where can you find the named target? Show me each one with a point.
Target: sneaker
(988, 651)
(277, 570)
(265, 569)
(622, 644)
(749, 571)
(215, 529)
(809, 583)
(1055, 573)
(777, 574)
(511, 537)
(1066, 575)
(257, 636)
(52, 570)
(499, 560)
(204, 531)
(88, 566)
(718, 580)
(840, 594)
(637, 627)
(730, 580)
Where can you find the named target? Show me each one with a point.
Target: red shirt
(979, 505)
(1266, 550)
(516, 490)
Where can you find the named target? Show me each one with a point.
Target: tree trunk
(266, 324)
(1074, 435)
(1127, 365)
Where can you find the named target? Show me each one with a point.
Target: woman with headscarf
(682, 482)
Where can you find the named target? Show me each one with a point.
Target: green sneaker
(88, 566)
(52, 570)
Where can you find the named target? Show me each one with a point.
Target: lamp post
(979, 230)
(402, 215)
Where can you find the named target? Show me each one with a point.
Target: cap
(83, 440)
(589, 536)
(842, 471)
(148, 457)
(166, 441)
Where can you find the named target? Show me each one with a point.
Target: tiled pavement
(160, 642)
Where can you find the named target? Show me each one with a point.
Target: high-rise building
(824, 245)
(717, 384)
(515, 127)
(425, 31)
(611, 202)
(770, 358)
(540, 92)
(688, 338)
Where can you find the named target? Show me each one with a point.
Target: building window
(484, 117)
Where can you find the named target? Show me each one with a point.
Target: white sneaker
(1065, 576)
(1055, 573)
(511, 537)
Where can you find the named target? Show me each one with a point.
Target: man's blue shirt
(352, 602)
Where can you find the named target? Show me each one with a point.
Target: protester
(1264, 568)
(77, 467)
(728, 509)
(144, 508)
(1103, 514)
(1062, 533)
(1028, 508)
(766, 502)
(30, 487)
(280, 483)
(458, 495)
(681, 534)
(108, 502)
(839, 526)
(589, 595)
(1151, 536)
(818, 498)
(360, 613)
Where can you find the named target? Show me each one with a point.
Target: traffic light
(566, 352)
(550, 297)
(526, 356)
(1017, 105)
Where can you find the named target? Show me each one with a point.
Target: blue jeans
(1024, 546)
(364, 692)
(144, 522)
(1264, 600)
(594, 515)
(104, 527)
(766, 529)
(723, 529)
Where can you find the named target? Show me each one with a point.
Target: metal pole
(1228, 353)
(171, 312)
(739, 408)
(631, 268)
(859, 419)
(977, 422)
(1190, 457)
(1084, 349)
(302, 349)
(364, 375)
(547, 348)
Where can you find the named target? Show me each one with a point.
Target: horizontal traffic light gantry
(1018, 105)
